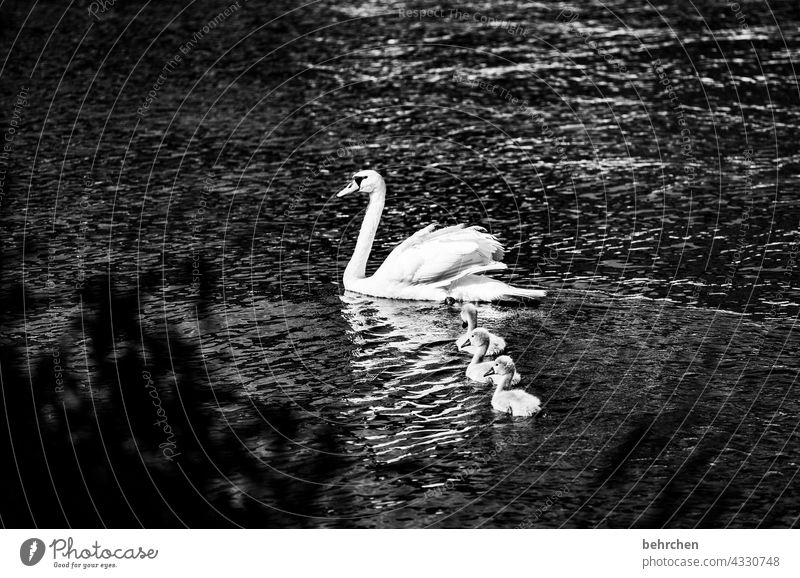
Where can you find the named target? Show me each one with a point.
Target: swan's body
(469, 317)
(429, 265)
(477, 368)
(516, 402)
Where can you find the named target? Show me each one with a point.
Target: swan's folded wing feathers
(415, 238)
(487, 241)
(444, 260)
(390, 264)
(393, 266)
(451, 257)
(440, 257)
(427, 234)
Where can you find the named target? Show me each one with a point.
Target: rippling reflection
(411, 377)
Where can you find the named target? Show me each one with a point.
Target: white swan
(477, 368)
(469, 317)
(429, 265)
(516, 402)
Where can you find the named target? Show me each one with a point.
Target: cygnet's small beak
(351, 188)
(464, 325)
(467, 343)
(490, 372)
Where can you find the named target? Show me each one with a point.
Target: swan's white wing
(414, 239)
(438, 258)
(443, 263)
(392, 262)
(424, 235)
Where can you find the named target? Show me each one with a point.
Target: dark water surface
(172, 256)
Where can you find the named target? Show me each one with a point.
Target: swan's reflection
(400, 338)
(409, 374)
(405, 325)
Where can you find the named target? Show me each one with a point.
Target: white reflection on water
(410, 374)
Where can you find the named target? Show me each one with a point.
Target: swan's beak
(490, 372)
(351, 188)
(464, 325)
(467, 343)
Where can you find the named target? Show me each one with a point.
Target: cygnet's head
(469, 312)
(503, 365)
(365, 181)
(478, 337)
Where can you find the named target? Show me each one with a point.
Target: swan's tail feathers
(482, 288)
(533, 294)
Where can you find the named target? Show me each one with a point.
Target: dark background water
(170, 240)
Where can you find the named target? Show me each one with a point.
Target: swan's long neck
(472, 322)
(480, 352)
(502, 382)
(357, 267)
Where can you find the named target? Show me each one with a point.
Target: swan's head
(363, 182)
(469, 313)
(503, 365)
(479, 337)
